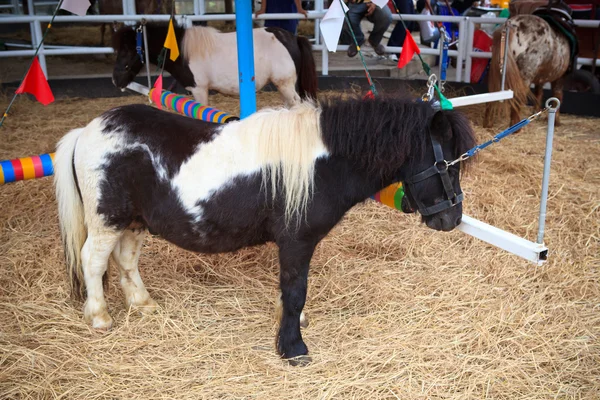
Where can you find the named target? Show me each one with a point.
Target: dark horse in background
(208, 60)
(281, 175)
(115, 7)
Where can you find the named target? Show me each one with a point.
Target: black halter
(439, 167)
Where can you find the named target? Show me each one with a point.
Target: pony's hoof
(101, 322)
(292, 350)
(147, 307)
(300, 361)
(303, 320)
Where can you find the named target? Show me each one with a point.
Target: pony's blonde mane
(199, 40)
(287, 143)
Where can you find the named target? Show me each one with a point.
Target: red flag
(369, 95)
(35, 83)
(409, 48)
(157, 92)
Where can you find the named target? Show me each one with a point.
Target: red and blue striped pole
(24, 168)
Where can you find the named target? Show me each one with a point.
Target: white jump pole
(481, 98)
(136, 87)
(534, 252)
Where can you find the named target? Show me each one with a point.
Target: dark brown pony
(537, 54)
(115, 7)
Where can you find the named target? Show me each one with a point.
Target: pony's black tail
(307, 74)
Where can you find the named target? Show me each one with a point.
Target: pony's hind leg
(126, 255)
(294, 260)
(287, 88)
(94, 257)
(488, 117)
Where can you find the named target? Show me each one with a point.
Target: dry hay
(397, 310)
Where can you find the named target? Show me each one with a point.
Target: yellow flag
(171, 42)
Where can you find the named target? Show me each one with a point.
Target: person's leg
(398, 35)
(381, 19)
(399, 32)
(356, 13)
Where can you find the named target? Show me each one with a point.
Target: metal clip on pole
(431, 81)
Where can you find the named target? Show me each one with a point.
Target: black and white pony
(281, 175)
(208, 60)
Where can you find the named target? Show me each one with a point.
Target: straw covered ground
(397, 311)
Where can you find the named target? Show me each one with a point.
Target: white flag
(78, 7)
(331, 25)
(380, 3)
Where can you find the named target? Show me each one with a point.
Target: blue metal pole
(245, 52)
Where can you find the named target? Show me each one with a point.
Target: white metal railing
(464, 53)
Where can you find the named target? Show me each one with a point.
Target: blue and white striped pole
(245, 52)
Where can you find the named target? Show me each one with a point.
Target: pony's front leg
(126, 255)
(303, 318)
(538, 91)
(294, 260)
(557, 91)
(94, 257)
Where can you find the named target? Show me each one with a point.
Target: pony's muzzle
(444, 222)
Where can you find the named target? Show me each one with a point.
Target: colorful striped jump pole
(190, 108)
(391, 196)
(21, 169)
(39, 166)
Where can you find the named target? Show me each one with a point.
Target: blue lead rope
(498, 137)
(444, 61)
(138, 45)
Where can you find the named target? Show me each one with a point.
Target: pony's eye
(127, 68)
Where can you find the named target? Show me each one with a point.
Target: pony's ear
(440, 126)
(117, 25)
(121, 36)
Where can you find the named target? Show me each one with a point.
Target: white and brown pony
(537, 54)
(208, 60)
(281, 175)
